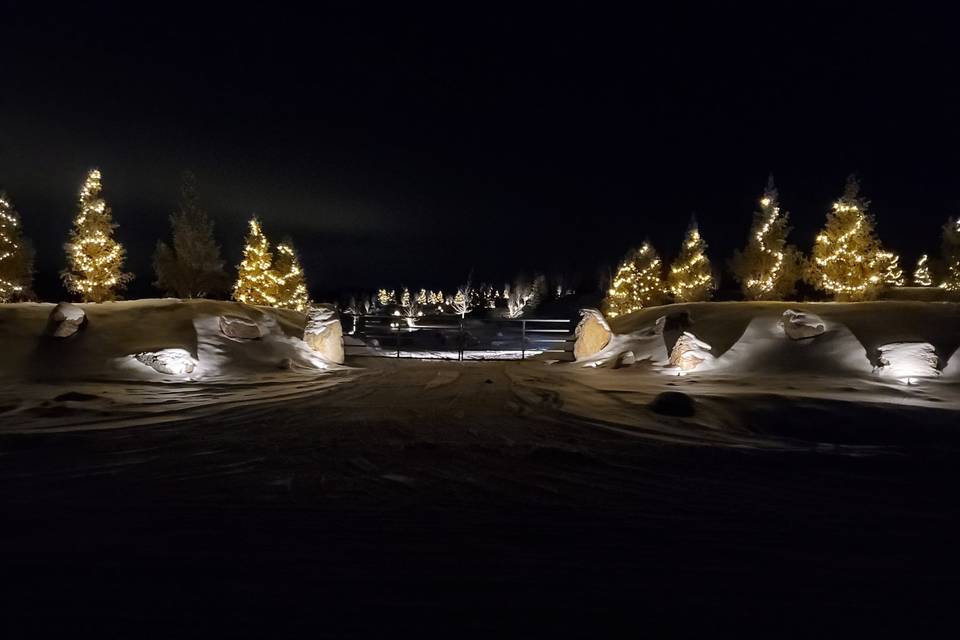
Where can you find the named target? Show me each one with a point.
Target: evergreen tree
(256, 281)
(290, 279)
(16, 255)
(847, 260)
(768, 268)
(950, 248)
(637, 284)
(921, 275)
(94, 259)
(192, 267)
(691, 276)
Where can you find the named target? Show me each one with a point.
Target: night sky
(407, 149)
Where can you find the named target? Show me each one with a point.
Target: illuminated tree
(951, 254)
(192, 267)
(691, 276)
(385, 297)
(405, 297)
(463, 300)
(422, 297)
(94, 259)
(256, 282)
(848, 260)
(921, 275)
(892, 274)
(290, 280)
(768, 268)
(638, 283)
(16, 255)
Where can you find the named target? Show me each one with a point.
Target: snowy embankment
(758, 339)
(165, 340)
(739, 373)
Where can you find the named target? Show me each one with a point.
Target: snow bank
(809, 339)
(165, 339)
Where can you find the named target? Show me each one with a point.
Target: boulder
(65, 320)
(323, 332)
(593, 334)
(799, 325)
(689, 352)
(240, 328)
(175, 362)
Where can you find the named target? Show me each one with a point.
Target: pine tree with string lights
(289, 277)
(848, 260)
(950, 249)
(691, 276)
(16, 255)
(638, 283)
(94, 258)
(256, 282)
(921, 275)
(768, 268)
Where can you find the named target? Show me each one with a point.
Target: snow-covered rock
(240, 328)
(593, 334)
(689, 352)
(908, 360)
(323, 332)
(65, 320)
(800, 325)
(176, 362)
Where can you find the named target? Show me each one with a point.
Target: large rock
(689, 352)
(324, 333)
(240, 328)
(175, 362)
(593, 334)
(799, 325)
(65, 320)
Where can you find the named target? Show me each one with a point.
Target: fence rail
(456, 338)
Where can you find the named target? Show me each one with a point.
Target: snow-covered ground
(395, 493)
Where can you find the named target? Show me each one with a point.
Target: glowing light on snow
(908, 361)
(177, 362)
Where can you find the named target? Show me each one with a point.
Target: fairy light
(14, 270)
(637, 284)
(921, 275)
(847, 257)
(256, 283)
(289, 280)
(94, 258)
(762, 267)
(690, 276)
(951, 243)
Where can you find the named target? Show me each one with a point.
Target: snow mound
(644, 345)
(761, 349)
(151, 340)
(908, 360)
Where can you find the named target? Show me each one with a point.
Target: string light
(15, 263)
(637, 284)
(848, 260)
(766, 268)
(691, 277)
(921, 275)
(94, 258)
(256, 283)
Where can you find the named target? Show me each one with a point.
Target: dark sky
(404, 148)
